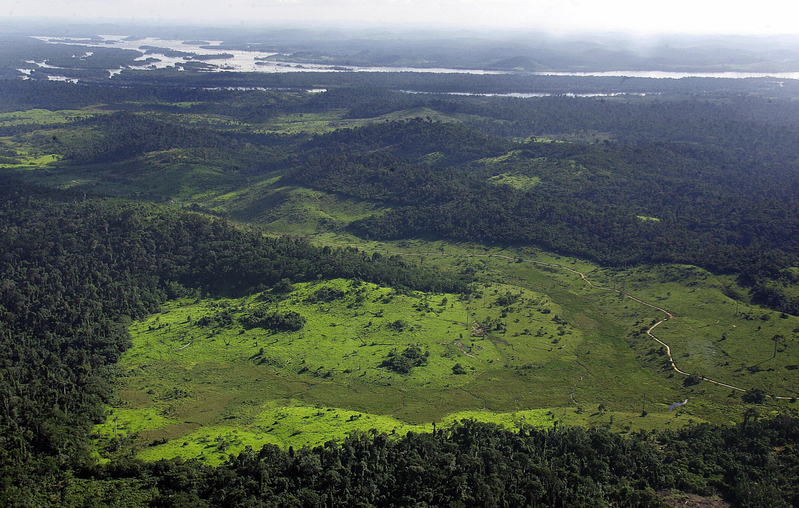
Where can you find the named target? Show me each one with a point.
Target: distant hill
(520, 63)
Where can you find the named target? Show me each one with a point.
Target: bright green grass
(133, 420)
(351, 336)
(30, 161)
(181, 176)
(512, 155)
(203, 378)
(521, 182)
(217, 391)
(218, 388)
(320, 123)
(312, 123)
(718, 337)
(22, 156)
(44, 116)
(290, 423)
(298, 425)
(704, 316)
(186, 178)
(290, 209)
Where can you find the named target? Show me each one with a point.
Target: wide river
(226, 59)
(222, 59)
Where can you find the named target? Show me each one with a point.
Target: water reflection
(226, 59)
(210, 56)
(674, 75)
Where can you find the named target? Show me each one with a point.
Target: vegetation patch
(242, 339)
(373, 351)
(44, 116)
(403, 362)
(517, 181)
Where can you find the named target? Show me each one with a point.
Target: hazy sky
(672, 16)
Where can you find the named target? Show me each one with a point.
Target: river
(219, 59)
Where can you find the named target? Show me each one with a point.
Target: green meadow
(44, 116)
(520, 182)
(319, 123)
(532, 344)
(21, 159)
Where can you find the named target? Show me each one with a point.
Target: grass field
(540, 346)
(533, 343)
(28, 161)
(319, 123)
(44, 116)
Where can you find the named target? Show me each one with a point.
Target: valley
(525, 358)
(247, 268)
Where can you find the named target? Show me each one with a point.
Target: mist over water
(226, 59)
(674, 75)
(213, 56)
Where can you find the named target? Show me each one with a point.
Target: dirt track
(668, 314)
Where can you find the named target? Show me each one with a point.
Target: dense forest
(717, 175)
(75, 271)
(752, 464)
(730, 212)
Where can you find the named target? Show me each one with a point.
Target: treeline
(747, 127)
(719, 175)
(474, 464)
(123, 136)
(440, 144)
(73, 273)
(120, 136)
(17, 95)
(463, 83)
(617, 204)
(740, 125)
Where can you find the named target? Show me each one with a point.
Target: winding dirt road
(668, 314)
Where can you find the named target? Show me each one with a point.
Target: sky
(556, 16)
